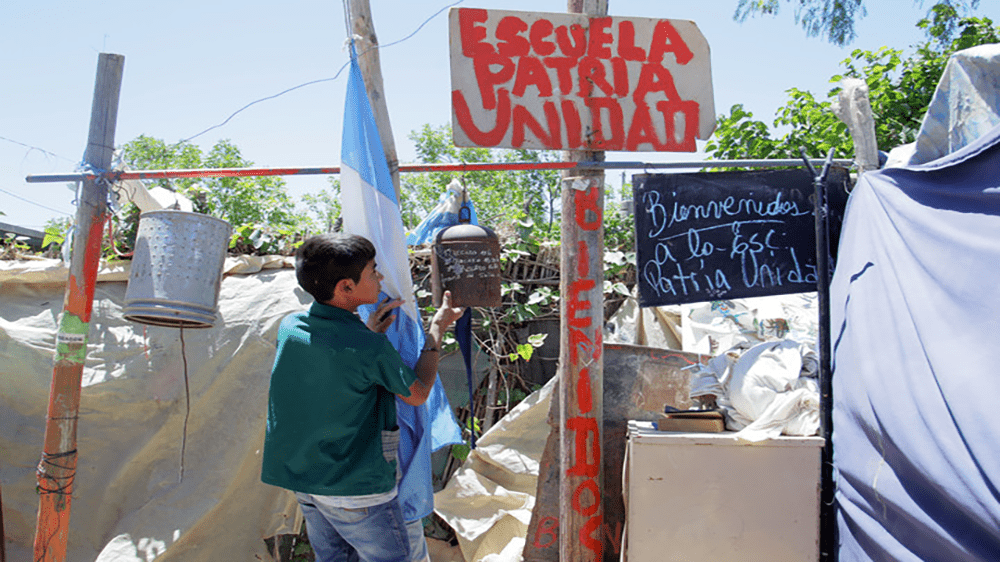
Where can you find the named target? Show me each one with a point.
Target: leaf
(460, 451)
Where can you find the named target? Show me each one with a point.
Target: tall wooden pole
(581, 362)
(371, 71)
(57, 468)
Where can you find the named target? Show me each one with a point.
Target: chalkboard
(470, 269)
(721, 235)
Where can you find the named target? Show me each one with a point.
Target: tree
(527, 199)
(899, 90)
(835, 19)
(260, 210)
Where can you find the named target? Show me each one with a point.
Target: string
(187, 403)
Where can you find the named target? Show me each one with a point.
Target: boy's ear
(345, 285)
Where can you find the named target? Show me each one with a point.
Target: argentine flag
(369, 208)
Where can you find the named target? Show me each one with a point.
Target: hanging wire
(187, 403)
(334, 77)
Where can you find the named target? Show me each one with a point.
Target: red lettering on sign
(626, 43)
(615, 538)
(487, 78)
(531, 72)
(509, 32)
(540, 30)
(596, 68)
(547, 527)
(667, 40)
(472, 34)
(600, 141)
(574, 130)
(584, 396)
(654, 78)
(585, 441)
(587, 538)
(588, 208)
(523, 119)
(482, 138)
(574, 305)
(642, 130)
(582, 258)
(594, 497)
(621, 76)
(688, 112)
(600, 38)
(574, 46)
(591, 73)
(563, 66)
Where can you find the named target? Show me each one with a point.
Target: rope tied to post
(48, 480)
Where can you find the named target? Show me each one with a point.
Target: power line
(33, 203)
(336, 76)
(31, 148)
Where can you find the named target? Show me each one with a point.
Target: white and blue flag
(369, 208)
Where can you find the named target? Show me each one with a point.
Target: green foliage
(260, 210)
(900, 89)
(323, 208)
(13, 246)
(503, 199)
(55, 235)
(834, 19)
(526, 350)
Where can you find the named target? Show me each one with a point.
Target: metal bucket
(176, 269)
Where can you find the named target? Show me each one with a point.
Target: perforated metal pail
(176, 269)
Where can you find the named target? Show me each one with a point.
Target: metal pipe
(410, 168)
(828, 511)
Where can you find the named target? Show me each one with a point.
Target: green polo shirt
(332, 397)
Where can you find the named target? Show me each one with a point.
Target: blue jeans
(366, 534)
(418, 544)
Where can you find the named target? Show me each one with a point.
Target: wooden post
(3, 537)
(581, 382)
(371, 71)
(58, 464)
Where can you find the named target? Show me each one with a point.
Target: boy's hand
(383, 317)
(447, 314)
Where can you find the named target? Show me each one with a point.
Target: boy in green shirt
(331, 421)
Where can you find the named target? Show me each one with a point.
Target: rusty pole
(57, 467)
(581, 382)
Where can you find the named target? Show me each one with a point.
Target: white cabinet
(708, 497)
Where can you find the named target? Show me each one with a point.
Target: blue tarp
(915, 319)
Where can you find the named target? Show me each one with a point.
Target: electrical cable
(334, 77)
(33, 203)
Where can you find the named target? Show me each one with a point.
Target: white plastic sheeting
(965, 106)
(128, 503)
(765, 391)
(488, 501)
(713, 327)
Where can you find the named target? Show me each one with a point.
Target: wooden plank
(57, 468)
(371, 70)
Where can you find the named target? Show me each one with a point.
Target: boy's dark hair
(322, 261)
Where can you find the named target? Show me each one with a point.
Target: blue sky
(190, 65)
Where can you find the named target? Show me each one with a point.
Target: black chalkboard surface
(721, 235)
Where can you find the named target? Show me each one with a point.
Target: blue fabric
(439, 219)
(338, 534)
(915, 328)
(463, 333)
(371, 210)
(364, 154)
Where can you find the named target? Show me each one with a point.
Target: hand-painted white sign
(573, 82)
